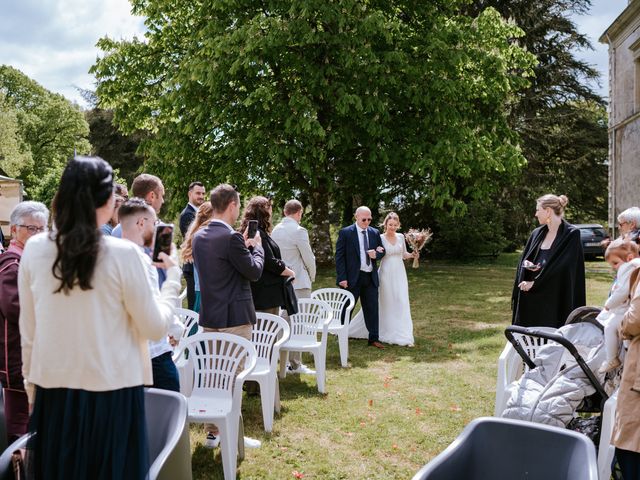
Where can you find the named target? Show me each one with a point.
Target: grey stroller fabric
(552, 391)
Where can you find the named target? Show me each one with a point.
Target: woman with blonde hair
(549, 281)
(395, 324)
(202, 219)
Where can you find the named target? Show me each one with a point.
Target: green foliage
(45, 128)
(321, 99)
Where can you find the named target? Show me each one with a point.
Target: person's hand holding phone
(165, 261)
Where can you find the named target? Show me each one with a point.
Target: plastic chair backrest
(217, 357)
(268, 330)
(166, 418)
(189, 319)
(339, 300)
(531, 345)
(313, 315)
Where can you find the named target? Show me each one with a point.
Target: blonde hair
(621, 248)
(390, 216)
(202, 219)
(555, 203)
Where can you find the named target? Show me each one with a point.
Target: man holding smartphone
(226, 276)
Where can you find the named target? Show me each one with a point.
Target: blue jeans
(165, 373)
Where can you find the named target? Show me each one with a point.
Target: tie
(366, 247)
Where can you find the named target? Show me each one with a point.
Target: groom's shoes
(376, 344)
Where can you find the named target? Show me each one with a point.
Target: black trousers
(187, 271)
(629, 464)
(367, 292)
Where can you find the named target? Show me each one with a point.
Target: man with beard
(137, 220)
(196, 195)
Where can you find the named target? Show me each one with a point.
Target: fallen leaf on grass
(454, 408)
(297, 474)
(394, 446)
(363, 424)
(349, 434)
(370, 403)
(418, 411)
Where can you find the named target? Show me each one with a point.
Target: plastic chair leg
(319, 360)
(229, 448)
(267, 399)
(284, 359)
(343, 343)
(277, 396)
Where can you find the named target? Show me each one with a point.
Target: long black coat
(558, 288)
(268, 290)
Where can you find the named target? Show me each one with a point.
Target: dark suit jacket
(226, 269)
(186, 217)
(348, 254)
(268, 291)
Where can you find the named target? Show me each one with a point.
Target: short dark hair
(195, 184)
(133, 206)
(120, 189)
(145, 183)
(292, 207)
(222, 196)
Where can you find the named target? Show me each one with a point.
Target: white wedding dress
(395, 324)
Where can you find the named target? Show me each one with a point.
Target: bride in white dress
(395, 325)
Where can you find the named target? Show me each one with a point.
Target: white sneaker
(211, 441)
(302, 368)
(252, 443)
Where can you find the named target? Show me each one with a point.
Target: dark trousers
(187, 272)
(16, 412)
(629, 464)
(367, 292)
(165, 373)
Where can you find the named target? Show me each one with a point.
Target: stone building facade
(623, 39)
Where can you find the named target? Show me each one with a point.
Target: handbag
(290, 299)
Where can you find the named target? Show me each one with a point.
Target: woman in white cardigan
(87, 313)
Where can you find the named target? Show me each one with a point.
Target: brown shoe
(376, 344)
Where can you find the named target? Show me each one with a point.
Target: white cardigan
(94, 339)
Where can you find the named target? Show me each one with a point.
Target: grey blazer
(295, 248)
(226, 268)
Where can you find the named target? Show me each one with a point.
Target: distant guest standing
(196, 195)
(549, 281)
(27, 219)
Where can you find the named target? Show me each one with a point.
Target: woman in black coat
(549, 282)
(269, 291)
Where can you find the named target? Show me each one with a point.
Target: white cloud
(53, 42)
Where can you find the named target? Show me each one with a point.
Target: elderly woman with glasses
(629, 224)
(27, 219)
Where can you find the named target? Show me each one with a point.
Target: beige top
(94, 339)
(296, 252)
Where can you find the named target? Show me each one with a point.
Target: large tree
(560, 119)
(320, 98)
(48, 129)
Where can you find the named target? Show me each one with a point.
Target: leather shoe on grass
(376, 344)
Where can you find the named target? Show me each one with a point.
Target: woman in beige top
(87, 312)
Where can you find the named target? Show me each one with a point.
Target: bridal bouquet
(418, 239)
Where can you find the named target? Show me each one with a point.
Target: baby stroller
(550, 376)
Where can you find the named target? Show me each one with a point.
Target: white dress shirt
(363, 253)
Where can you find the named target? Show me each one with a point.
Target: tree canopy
(320, 98)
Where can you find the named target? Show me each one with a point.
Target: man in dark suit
(196, 198)
(358, 248)
(227, 263)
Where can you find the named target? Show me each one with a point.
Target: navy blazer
(348, 255)
(226, 268)
(186, 217)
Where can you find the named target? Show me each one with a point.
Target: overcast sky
(53, 41)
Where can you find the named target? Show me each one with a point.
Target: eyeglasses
(622, 223)
(32, 229)
(365, 219)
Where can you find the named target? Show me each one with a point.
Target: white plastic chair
(313, 317)
(268, 334)
(189, 319)
(606, 451)
(340, 301)
(181, 297)
(511, 366)
(216, 391)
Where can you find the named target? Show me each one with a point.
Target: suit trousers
(295, 358)
(191, 286)
(243, 331)
(367, 291)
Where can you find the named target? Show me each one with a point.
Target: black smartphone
(253, 228)
(162, 241)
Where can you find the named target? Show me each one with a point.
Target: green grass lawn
(392, 410)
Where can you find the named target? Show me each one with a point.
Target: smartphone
(253, 228)
(162, 241)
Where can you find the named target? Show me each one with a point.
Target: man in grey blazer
(295, 248)
(227, 263)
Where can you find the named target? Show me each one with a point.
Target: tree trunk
(320, 233)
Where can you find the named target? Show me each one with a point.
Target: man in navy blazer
(358, 249)
(196, 198)
(227, 263)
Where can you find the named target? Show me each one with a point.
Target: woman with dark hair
(268, 292)
(549, 281)
(87, 313)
